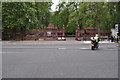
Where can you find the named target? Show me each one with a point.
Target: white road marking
(62, 48)
(12, 52)
(21, 47)
(84, 48)
(110, 49)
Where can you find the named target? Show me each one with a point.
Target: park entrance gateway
(47, 33)
(52, 33)
(87, 33)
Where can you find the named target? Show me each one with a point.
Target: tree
(102, 15)
(24, 15)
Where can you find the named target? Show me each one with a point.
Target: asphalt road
(59, 60)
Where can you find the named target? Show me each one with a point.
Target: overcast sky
(55, 3)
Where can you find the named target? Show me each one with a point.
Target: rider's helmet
(96, 35)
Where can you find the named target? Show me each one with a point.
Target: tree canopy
(102, 15)
(25, 14)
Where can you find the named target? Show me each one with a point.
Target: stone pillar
(63, 29)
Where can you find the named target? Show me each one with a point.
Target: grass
(70, 35)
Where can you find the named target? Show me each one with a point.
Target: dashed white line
(62, 48)
(84, 48)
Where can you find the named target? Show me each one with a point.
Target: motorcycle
(94, 45)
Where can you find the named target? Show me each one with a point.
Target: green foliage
(102, 15)
(25, 14)
(70, 35)
(0, 15)
(29, 15)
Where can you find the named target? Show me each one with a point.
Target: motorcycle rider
(97, 39)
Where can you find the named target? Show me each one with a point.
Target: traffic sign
(116, 27)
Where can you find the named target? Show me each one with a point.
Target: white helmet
(96, 35)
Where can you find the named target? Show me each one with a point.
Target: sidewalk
(99, 42)
(53, 42)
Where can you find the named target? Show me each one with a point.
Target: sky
(55, 3)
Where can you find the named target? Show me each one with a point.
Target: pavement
(58, 59)
(51, 42)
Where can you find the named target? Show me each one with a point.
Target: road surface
(59, 60)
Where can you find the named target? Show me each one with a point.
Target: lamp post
(99, 25)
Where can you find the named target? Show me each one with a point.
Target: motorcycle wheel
(97, 47)
(92, 47)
